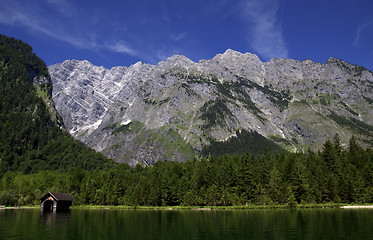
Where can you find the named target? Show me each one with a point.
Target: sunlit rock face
(173, 110)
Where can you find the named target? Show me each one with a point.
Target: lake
(187, 224)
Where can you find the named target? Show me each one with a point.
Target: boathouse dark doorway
(48, 205)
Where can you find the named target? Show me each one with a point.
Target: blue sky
(112, 33)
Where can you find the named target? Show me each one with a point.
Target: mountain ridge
(131, 113)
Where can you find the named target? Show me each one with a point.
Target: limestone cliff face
(170, 111)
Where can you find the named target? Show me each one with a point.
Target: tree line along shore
(334, 175)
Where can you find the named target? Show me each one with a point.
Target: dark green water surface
(187, 224)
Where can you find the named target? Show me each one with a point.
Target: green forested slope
(29, 140)
(334, 175)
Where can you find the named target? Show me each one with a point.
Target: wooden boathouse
(53, 201)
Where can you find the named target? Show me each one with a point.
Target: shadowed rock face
(170, 111)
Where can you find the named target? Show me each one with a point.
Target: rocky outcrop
(170, 111)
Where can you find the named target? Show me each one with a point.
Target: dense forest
(243, 142)
(333, 175)
(29, 140)
(37, 156)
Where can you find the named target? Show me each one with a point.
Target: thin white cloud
(265, 32)
(18, 17)
(360, 33)
(60, 3)
(11, 16)
(63, 6)
(178, 37)
(121, 47)
(34, 19)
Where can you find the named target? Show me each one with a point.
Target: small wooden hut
(53, 201)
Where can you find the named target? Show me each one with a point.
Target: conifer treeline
(333, 175)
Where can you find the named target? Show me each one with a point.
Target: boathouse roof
(58, 196)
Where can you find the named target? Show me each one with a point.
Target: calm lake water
(187, 224)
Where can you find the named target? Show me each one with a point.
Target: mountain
(232, 103)
(31, 135)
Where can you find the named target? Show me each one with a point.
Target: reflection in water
(51, 217)
(47, 217)
(183, 224)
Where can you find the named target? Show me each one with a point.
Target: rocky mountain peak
(179, 59)
(137, 65)
(333, 60)
(232, 55)
(177, 108)
(176, 61)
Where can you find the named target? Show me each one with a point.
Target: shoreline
(206, 208)
(357, 206)
(21, 207)
(210, 208)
